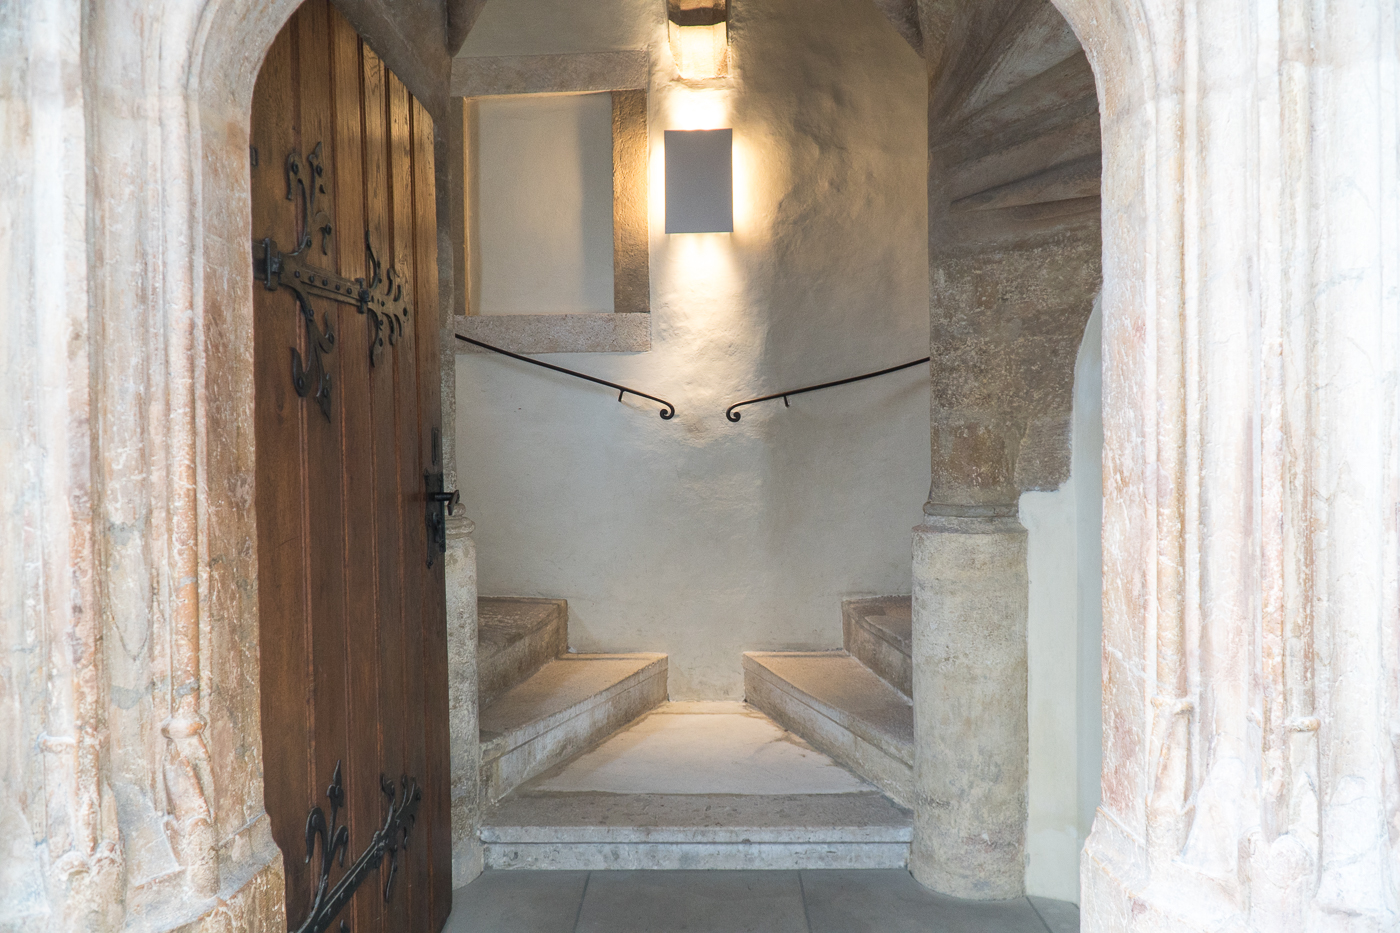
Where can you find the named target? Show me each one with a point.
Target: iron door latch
(440, 505)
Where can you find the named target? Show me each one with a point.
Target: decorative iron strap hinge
(381, 298)
(329, 900)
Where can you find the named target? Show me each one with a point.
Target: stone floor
(888, 901)
(703, 748)
(720, 752)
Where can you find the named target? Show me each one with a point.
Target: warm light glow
(700, 51)
(699, 109)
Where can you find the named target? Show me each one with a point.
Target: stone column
(971, 743)
(460, 570)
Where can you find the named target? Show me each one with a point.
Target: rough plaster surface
(698, 537)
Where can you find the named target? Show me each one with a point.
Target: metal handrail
(734, 415)
(667, 412)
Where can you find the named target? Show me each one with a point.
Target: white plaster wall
(698, 537)
(1064, 632)
(545, 212)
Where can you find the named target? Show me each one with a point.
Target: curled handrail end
(668, 412)
(732, 415)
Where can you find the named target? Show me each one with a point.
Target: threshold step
(879, 633)
(599, 831)
(566, 706)
(516, 636)
(842, 708)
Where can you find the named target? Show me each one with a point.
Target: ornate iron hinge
(381, 298)
(328, 901)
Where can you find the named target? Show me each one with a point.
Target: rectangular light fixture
(699, 181)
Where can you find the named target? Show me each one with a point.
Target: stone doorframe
(1251, 490)
(1251, 536)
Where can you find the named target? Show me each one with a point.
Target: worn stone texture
(970, 737)
(577, 73)
(584, 332)
(841, 707)
(515, 637)
(463, 692)
(1252, 447)
(878, 632)
(1251, 478)
(130, 756)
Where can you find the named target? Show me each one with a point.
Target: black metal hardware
(381, 299)
(733, 415)
(439, 501)
(668, 410)
(328, 900)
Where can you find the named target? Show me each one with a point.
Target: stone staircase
(853, 704)
(586, 767)
(541, 705)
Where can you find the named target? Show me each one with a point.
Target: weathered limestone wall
(698, 537)
(1251, 478)
(130, 753)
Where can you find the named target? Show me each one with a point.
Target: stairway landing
(698, 785)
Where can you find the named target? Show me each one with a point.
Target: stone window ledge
(588, 332)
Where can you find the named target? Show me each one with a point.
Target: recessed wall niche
(555, 253)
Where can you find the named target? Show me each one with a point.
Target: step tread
(890, 618)
(595, 817)
(848, 693)
(558, 691)
(501, 621)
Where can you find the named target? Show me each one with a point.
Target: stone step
(567, 705)
(842, 708)
(597, 831)
(879, 633)
(516, 636)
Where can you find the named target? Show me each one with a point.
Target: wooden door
(350, 586)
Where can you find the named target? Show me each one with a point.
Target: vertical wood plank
(363, 798)
(427, 327)
(285, 693)
(352, 619)
(413, 554)
(389, 484)
(323, 464)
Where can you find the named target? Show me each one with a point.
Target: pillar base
(971, 741)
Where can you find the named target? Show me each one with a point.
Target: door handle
(441, 503)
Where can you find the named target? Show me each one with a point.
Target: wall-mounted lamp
(699, 33)
(699, 181)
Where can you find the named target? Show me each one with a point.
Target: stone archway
(1252, 465)
(1246, 764)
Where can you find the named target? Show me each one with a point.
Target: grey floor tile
(893, 902)
(1059, 916)
(693, 902)
(518, 902)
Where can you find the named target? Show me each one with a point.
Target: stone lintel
(578, 73)
(586, 332)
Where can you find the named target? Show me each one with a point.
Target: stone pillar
(460, 571)
(971, 742)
